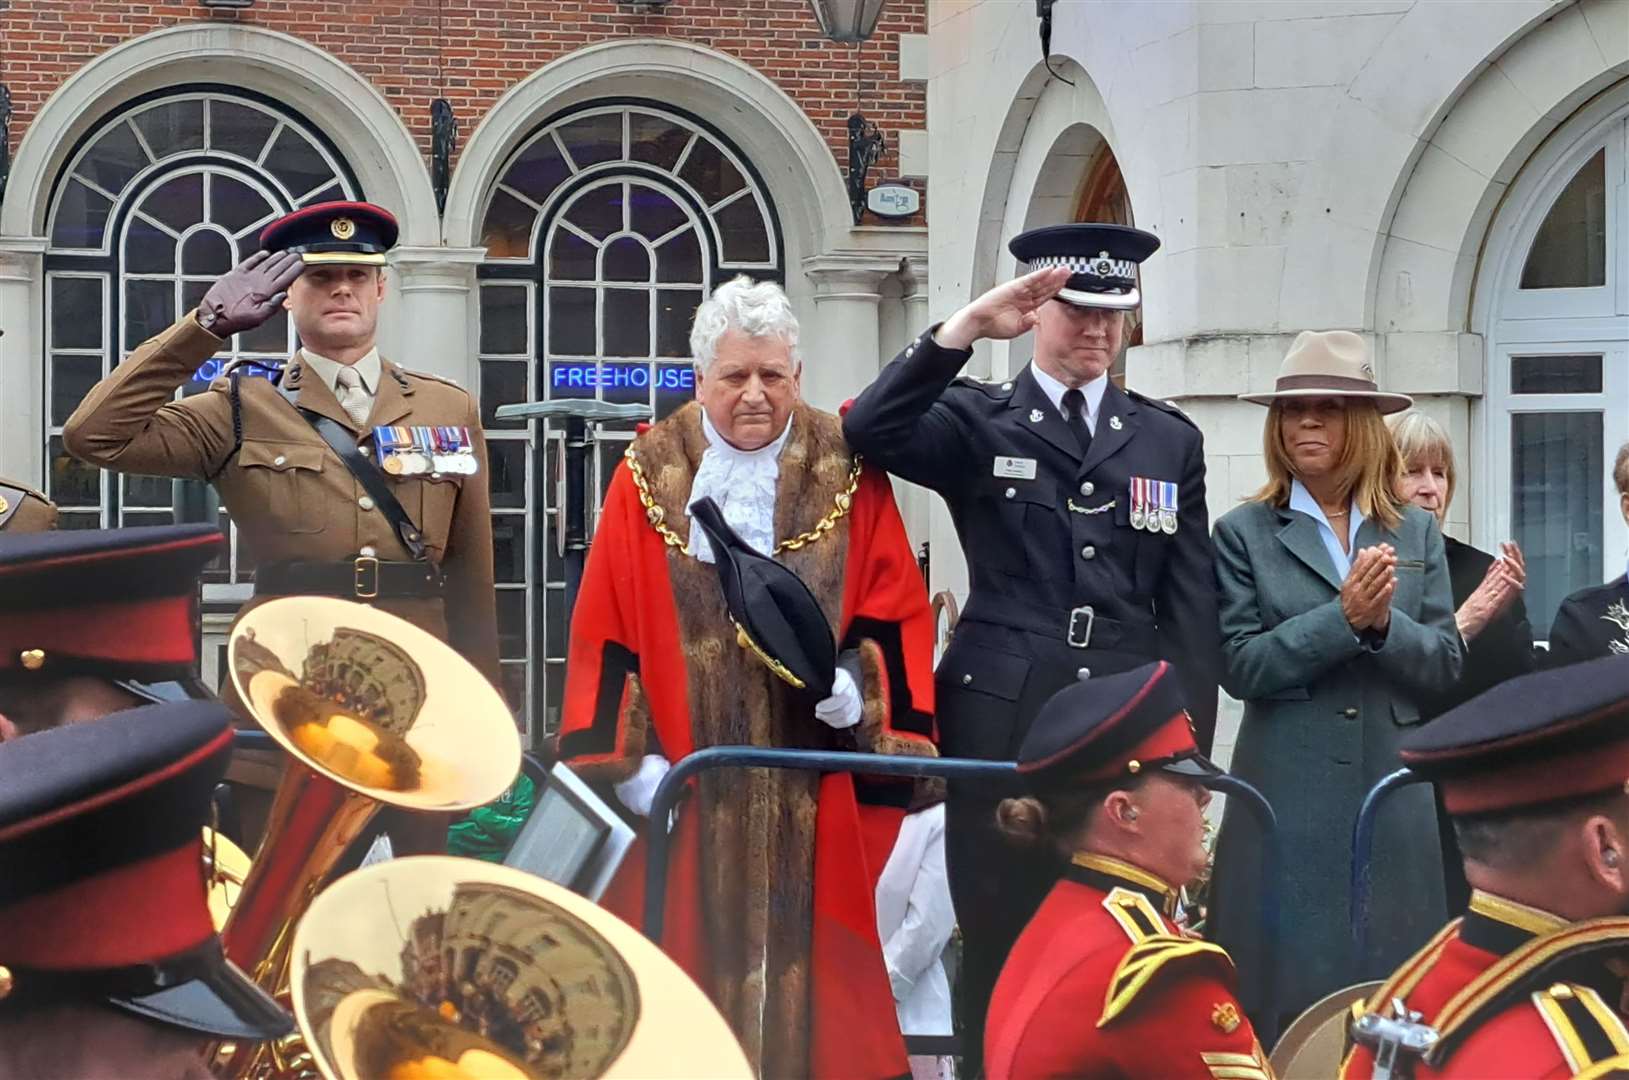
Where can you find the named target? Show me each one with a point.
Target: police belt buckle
(366, 584)
(1081, 616)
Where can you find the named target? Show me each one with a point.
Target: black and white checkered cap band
(1097, 265)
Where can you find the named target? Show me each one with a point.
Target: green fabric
(488, 831)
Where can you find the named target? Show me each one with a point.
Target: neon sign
(215, 367)
(587, 375)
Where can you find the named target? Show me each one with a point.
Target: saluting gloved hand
(841, 710)
(639, 790)
(249, 293)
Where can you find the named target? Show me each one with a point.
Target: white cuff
(844, 708)
(638, 790)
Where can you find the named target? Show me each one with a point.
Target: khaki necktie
(355, 400)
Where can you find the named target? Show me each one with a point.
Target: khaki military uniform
(292, 497)
(24, 510)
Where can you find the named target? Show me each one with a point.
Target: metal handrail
(714, 757)
(1362, 849)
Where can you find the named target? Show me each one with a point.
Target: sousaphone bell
(374, 711)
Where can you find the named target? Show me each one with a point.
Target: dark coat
(1504, 648)
(1591, 623)
(1323, 714)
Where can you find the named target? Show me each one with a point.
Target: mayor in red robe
(770, 901)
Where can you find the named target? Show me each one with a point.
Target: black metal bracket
(443, 144)
(865, 146)
(5, 137)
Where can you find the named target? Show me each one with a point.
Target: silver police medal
(1168, 514)
(1156, 511)
(1139, 511)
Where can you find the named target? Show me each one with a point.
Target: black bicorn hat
(119, 603)
(356, 233)
(103, 894)
(775, 614)
(1103, 260)
(1538, 738)
(1113, 727)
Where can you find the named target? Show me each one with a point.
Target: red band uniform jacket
(770, 901)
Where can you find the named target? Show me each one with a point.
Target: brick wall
(472, 51)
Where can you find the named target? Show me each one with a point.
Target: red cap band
(1585, 771)
(102, 633)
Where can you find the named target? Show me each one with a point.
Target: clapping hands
(1367, 592)
(1501, 585)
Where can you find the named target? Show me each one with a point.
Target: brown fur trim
(633, 717)
(873, 734)
(757, 826)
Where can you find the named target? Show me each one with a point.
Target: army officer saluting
(1081, 511)
(349, 476)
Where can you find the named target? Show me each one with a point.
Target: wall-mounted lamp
(848, 21)
(865, 147)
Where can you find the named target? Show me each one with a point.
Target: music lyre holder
(577, 413)
(961, 769)
(1362, 853)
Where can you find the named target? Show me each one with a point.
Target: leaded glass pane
(172, 127)
(679, 259)
(145, 490)
(114, 160)
(69, 481)
(147, 248)
(626, 260)
(653, 214)
(297, 163)
(506, 472)
(656, 140)
(503, 382)
(598, 212)
(1555, 374)
(235, 206)
(239, 129)
(149, 306)
(206, 252)
(593, 139)
(509, 548)
(503, 320)
(675, 308)
(571, 321)
(1555, 494)
(270, 336)
(538, 170)
(627, 322)
(711, 173)
(741, 228)
(571, 258)
(1569, 250)
(71, 379)
(81, 217)
(76, 312)
(178, 202)
(506, 232)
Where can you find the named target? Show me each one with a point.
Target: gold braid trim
(657, 516)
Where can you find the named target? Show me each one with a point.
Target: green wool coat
(1323, 716)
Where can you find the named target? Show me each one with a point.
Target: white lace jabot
(742, 483)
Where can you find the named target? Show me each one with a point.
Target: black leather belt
(1080, 628)
(361, 578)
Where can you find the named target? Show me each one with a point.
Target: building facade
(606, 164)
(1447, 179)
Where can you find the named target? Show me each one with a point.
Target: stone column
(842, 350)
(432, 319)
(22, 357)
(913, 275)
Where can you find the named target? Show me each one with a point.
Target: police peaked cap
(1113, 727)
(102, 886)
(1103, 260)
(775, 614)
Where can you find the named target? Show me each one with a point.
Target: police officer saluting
(1081, 512)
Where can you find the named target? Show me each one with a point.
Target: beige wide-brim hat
(1329, 363)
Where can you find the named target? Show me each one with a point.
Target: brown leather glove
(249, 293)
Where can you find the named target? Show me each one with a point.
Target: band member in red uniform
(1102, 983)
(1533, 774)
(770, 899)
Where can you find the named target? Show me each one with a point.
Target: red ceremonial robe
(771, 894)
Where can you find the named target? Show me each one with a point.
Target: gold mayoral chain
(658, 516)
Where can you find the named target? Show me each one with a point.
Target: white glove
(841, 710)
(638, 790)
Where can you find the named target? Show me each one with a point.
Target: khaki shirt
(23, 509)
(289, 493)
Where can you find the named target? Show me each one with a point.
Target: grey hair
(757, 309)
(1421, 439)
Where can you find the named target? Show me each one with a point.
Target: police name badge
(1015, 468)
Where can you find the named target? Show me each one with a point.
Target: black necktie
(1074, 411)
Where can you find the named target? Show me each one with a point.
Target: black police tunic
(1069, 574)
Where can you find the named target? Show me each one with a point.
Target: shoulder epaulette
(1613, 1068)
(1586, 1030)
(1145, 960)
(397, 369)
(1164, 405)
(1406, 978)
(997, 390)
(1525, 972)
(1136, 914)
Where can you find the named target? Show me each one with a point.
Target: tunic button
(1088, 552)
(1350, 714)
(368, 551)
(1083, 673)
(279, 460)
(1011, 492)
(967, 680)
(365, 502)
(1087, 487)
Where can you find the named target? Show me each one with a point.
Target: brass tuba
(436, 968)
(375, 711)
(1316, 1042)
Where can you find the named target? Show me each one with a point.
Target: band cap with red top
(102, 887)
(354, 233)
(1541, 738)
(114, 602)
(1113, 727)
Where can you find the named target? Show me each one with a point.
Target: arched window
(1558, 348)
(157, 201)
(606, 227)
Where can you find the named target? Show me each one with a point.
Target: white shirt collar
(1054, 391)
(369, 367)
(1301, 500)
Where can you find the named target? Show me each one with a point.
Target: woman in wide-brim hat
(1337, 620)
